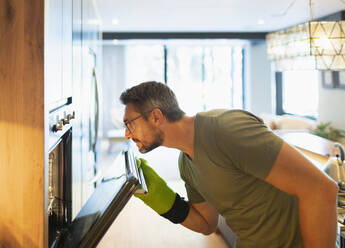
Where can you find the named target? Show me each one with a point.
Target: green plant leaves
(325, 130)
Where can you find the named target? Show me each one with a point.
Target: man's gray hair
(149, 95)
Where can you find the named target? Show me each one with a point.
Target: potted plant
(325, 130)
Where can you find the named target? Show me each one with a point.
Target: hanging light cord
(311, 8)
(311, 5)
(288, 8)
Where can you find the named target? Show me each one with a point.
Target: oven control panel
(60, 120)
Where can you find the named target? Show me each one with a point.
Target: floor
(138, 226)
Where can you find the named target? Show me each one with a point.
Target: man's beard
(157, 141)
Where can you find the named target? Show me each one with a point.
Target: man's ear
(157, 116)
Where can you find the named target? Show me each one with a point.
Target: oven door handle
(94, 75)
(132, 168)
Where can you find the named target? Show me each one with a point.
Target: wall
(331, 106)
(259, 86)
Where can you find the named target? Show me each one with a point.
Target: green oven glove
(159, 196)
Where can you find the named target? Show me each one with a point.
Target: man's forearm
(318, 220)
(196, 222)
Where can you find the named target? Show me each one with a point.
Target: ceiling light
(115, 41)
(261, 22)
(312, 45)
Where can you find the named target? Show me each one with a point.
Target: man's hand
(200, 217)
(159, 196)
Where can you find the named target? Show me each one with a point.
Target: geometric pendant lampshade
(314, 45)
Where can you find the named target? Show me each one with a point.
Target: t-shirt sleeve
(193, 195)
(247, 143)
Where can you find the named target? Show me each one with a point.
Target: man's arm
(202, 218)
(294, 174)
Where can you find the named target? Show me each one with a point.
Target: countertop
(315, 148)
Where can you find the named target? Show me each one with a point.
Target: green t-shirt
(233, 152)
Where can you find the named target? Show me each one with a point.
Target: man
(269, 194)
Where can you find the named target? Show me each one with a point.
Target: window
(203, 75)
(300, 93)
(144, 63)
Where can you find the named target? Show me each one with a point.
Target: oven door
(104, 205)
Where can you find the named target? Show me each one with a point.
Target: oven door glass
(106, 202)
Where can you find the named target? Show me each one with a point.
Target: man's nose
(128, 135)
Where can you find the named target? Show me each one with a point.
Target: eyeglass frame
(135, 118)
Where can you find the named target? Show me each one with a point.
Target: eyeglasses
(128, 124)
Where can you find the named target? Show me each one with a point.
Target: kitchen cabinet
(89, 100)
(58, 55)
(86, 64)
(77, 94)
(53, 51)
(67, 25)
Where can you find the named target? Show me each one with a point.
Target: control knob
(58, 126)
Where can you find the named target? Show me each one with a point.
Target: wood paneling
(21, 123)
(36, 69)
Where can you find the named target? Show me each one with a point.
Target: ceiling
(209, 15)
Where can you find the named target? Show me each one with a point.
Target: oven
(86, 227)
(59, 170)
